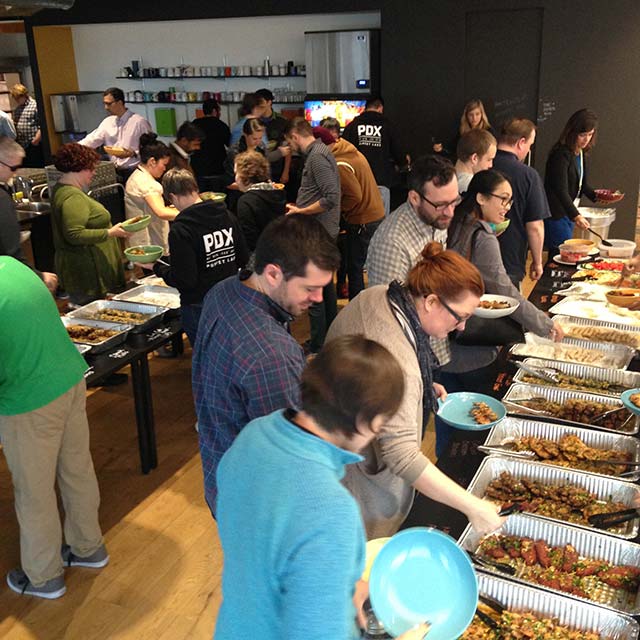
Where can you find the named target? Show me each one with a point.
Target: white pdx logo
(218, 239)
(369, 130)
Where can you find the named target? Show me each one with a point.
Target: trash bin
(599, 219)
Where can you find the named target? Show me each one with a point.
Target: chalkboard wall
(587, 57)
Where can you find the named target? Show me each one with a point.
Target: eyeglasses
(441, 206)
(504, 201)
(456, 316)
(11, 167)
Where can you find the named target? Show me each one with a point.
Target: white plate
(496, 313)
(559, 260)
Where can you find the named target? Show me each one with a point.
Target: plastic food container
(574, 252)
(620, 249)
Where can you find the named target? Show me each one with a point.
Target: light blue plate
(423, 575)
(627, 402)
(455, 410)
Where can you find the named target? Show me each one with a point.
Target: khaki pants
(42, 446)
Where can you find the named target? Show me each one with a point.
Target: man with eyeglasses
(423, 218)
(529, 207)
(121, 129)
(11, 157)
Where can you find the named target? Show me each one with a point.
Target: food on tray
(602, 334)
(494, 304)
(159, 299)
(566, 353)
(92, 335)
(571, 451)
(576, 410)
(136, 251)
(561, 568)
(567, 502)
(119, 315)
(605, 265)
(607, 278)
(482, 413)
(566, 381)
(525, 625)
(635, 398)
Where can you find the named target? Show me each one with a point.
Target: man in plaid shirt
(27, 122)
(245, 362)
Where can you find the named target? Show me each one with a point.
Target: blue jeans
(385, 192)
(556, 232)
(190, 319)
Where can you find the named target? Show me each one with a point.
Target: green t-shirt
(38, 361)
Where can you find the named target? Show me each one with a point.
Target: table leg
(144, 413)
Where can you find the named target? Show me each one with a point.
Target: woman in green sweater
(88, 255)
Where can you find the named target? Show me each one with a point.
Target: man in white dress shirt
(121, 129)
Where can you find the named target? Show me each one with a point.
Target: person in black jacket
(262, 200)
(566, 177)
(206, 246)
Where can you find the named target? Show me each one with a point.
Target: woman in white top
(143, 194)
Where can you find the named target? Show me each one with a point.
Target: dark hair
(331, 124)
(73, 157)
(251, 125)
(484, 182)
(115, 93)
(249, 102)
(265, 94)
(580, 122)
(151, 147)
(445, 273)
(291, 242)
(180, 182)
(209, 106)
(374, 102)
(474, 141)
(430, 169)
(515, 129)
(189, 131)
(352, 379)
(252, 166)
(298, 125)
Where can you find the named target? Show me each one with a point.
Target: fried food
(567, 502)
(603, 334)
(566, 381)
(635, 398)
(90, 335)
(136, 251)
(482, 413)
(133, 220)
(566, 353)
(119, 315)
(494, 304)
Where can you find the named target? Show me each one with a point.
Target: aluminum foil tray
(627, 379)
(615, 356)
(99, 347)
(589, 322)
(82, 348)
(605, 488)
(576, 614)
(511, 428)
(518, 392)
(167, 297)
(154, 313)
(594, 310)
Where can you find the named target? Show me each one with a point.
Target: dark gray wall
(589, 57)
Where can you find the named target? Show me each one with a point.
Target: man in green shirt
(45, 436)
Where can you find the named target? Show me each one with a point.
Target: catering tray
(167, 297)
(589, 545)
(628, 379)
(511, 428)
(153, 280)
(518, 392)
(99, 347)
(614, 356)
(632, 331)
(82, 348)
(154, 313)
(595, 310)
(605, 488)
(568, 612)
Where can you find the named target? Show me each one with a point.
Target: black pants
(358, 239)
(321, 315)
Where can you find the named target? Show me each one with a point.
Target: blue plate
(423, 575)
(627, 402)
(455, 410)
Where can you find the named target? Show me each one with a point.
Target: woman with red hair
(88, 255)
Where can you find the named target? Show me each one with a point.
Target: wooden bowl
(623, 297)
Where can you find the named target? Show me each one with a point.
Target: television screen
(344, 111)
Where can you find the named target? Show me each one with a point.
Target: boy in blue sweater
(292, 535)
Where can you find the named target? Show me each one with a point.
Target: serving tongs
(485, 563)
(541, 412)
(608, 520)
(508, 448)
(598, 419)
(547, 374)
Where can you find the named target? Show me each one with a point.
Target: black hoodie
(257, 208)
(206, 245)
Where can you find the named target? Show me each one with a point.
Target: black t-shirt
(371, 133)
(209, 160)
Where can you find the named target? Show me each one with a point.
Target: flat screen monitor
(344, 111)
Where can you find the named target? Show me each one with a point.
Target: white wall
(101, 50)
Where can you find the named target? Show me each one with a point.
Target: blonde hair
(252, 166)
(464, 122)
(19, 90)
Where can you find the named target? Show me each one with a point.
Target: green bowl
(212, 195)
(151, 253)
(136, 226)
